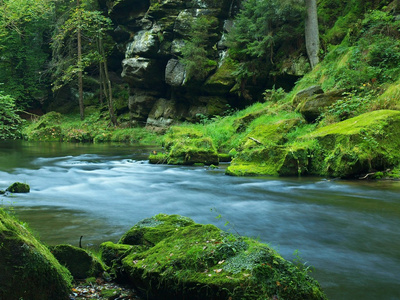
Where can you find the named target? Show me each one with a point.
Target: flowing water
(349, 231)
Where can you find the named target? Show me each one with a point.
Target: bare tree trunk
(312, 32)
(101, 72)
(80, 73)
(107, 85)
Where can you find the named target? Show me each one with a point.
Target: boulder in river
(187, 147)
(172, 257)
(19, 187)
(27, 268)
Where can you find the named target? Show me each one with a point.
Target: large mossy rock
(264, 152)
(78, 261)
(186, 147)
(359, 145)
(172, 257)
(27, 268)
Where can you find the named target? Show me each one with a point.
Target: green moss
(194, 261)
(263, 152)
(27, 268)
(185, 146)
(358, 145)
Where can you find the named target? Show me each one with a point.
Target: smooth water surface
(349, 231)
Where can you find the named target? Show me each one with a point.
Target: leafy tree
(10, 122)
(265, 31)
(196, 54)
(24, 26)
(77, 45)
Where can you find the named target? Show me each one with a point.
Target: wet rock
(27, 268)
(19, 187)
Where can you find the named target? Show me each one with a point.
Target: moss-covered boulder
(264, 152)
(186, 147)
(173, 257)
(271, 160)
(19, 187)
(78, 261)
(359, 145)
(27, 268)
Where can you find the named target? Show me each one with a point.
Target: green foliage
(24, 26)
(262, 30)
(10, 122)
(93, 26)
(196, 53)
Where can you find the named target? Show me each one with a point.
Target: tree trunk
(312, 32)
(80, 73)
(107, 84)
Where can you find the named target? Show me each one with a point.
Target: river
(349, 231)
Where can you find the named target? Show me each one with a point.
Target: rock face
(152, 33)
(27, 268)
(172, 257)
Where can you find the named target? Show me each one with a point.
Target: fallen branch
(255, 140)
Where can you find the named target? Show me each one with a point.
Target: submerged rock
(18, 187)
(27, 268)
(78, 261)
(172, 257)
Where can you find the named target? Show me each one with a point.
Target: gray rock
(145, 43)
(143, 72)
(306, 93)
(311, 108)
(175, 73)
(140, 104)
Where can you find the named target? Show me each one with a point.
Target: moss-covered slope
(27, 268)
(171, 257)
